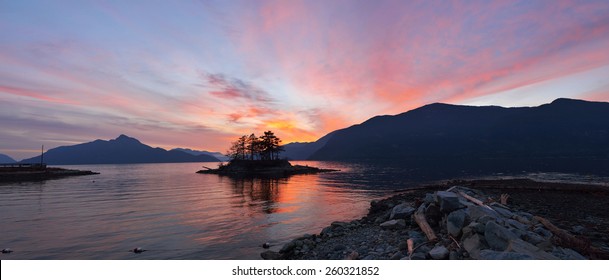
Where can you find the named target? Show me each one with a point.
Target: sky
(198, 74)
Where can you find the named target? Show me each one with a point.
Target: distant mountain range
(302, 151)
(565, 135)
(123, 149)
(217, 155)
(6, 159)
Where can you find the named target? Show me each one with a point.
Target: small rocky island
(259, 156)
(270, 168)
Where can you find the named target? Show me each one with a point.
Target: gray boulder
(503, 211)
(465, 202)
(533, 238)
(455, 222)
(545, 245)
(401, 211)
(439, 253)
(466, 190)
(476, 213)
(326, 231)
(567, 254)
(523, 247)
(522, 219)
(429, 198)
(448, 201)
(516, 224)
(477, 227)
(382, 218)
(497, 237)
(270, 255)
(543, 232)
(520, 233)
(525, 215)
(289, 246)
(394, 224)
(495, 255)
(418, 256)
(473, 245)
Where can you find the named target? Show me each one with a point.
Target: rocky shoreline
(467, 221)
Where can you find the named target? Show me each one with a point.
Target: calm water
(178, 214)
(172, 211)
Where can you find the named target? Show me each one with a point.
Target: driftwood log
(475, 200)
(455, 241)
(410, 244)
(565, 239)
(421, 220)
(412, 248)
(504, 198)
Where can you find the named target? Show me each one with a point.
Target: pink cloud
(301, 68)
(236, 88)
(34, 94)
(441, 52)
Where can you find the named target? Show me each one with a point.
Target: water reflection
(260, 193)
(179, 214)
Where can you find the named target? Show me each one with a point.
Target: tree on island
(253, 146)
(266, 147)
(237, 149)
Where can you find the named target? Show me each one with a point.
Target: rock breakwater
(11, 175)
(455, 223)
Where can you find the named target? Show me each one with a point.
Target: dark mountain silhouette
(6, 159)
(302, 151)
(565, 135)
(217, 155)
(123, 149)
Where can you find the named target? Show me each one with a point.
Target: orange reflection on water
(252, 211)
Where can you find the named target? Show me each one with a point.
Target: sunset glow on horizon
(198, 74)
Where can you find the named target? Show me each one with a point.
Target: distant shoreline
(17, 175)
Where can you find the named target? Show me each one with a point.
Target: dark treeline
(265, 147)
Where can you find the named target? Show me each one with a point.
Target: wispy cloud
(214, 70)
(34, 94)
(231, 88)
